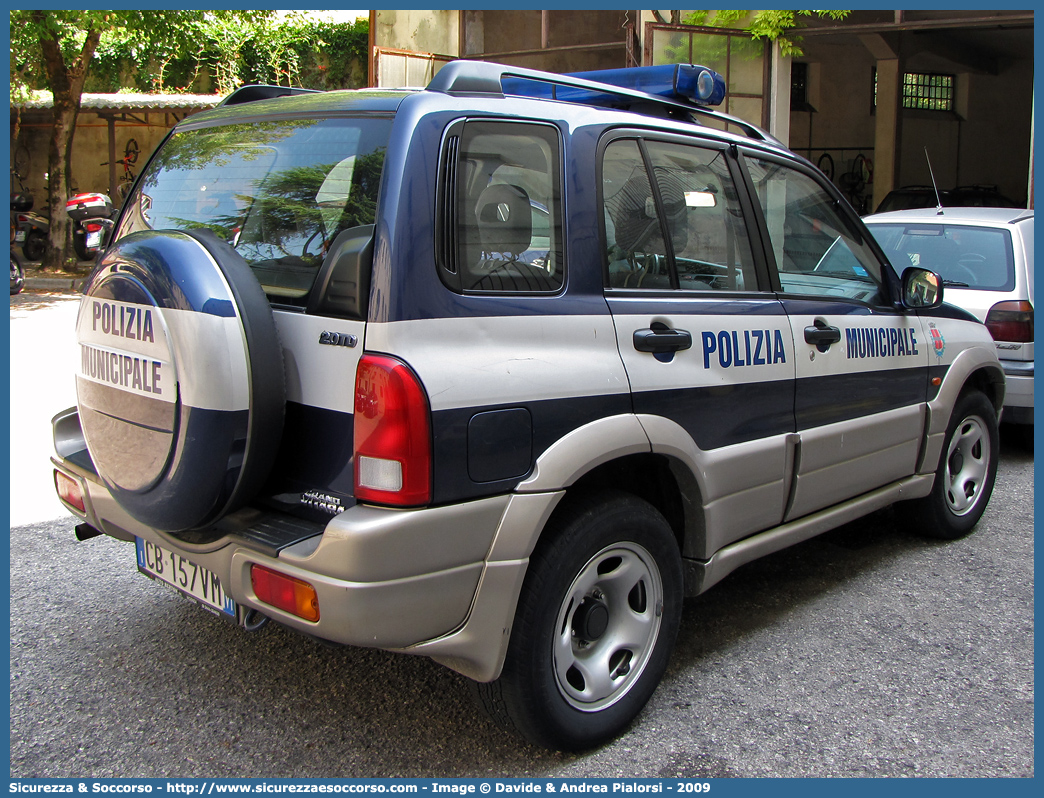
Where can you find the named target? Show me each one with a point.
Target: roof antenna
(938, 199)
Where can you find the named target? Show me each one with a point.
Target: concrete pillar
(472, 37)
(779, 95)
(1029, 182)
(887, 122)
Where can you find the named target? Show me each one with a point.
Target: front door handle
(660, 338)
(822, 335)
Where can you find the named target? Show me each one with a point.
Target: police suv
(499, 371)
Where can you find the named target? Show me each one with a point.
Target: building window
(799, 87)
(928, 92)
(924, 91)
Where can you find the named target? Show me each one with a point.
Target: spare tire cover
(181, 388)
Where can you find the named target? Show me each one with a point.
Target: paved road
(43, 361)
(863, 652)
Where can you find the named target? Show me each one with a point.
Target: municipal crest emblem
(938, 342)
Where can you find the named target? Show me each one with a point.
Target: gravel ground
(863, 652)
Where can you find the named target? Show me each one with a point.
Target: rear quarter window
(500, 227)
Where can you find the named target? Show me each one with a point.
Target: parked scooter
(30, 228)
(17, 273)
(92, 215)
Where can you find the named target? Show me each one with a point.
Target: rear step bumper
(439, 581)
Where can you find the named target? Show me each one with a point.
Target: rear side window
(278, 191)
(695, 202)
(964, 256)
(501, 221)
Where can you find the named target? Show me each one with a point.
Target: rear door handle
(822, 335)
(660, 338)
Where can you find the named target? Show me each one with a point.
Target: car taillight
(285, 592)
(69, 491)
(392, 434)
(1011, 321)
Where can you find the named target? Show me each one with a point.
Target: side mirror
(922, 289)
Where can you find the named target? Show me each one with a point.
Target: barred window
(924, 91)
(927, 91)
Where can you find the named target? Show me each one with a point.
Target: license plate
(185, 576)
(93, 240)
(20, 235)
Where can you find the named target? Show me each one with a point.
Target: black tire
(965, 476)
(17, 277)
(595, 625)
(35, 245)
(826, 165)
(80, 245)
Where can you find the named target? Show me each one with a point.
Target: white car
(985, 257)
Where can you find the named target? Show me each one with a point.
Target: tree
(55, 49)
(772, 25)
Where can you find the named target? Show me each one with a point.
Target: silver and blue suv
(499, 371)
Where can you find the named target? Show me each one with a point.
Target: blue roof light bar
(679, 90)
(697, 84)
(678, 83)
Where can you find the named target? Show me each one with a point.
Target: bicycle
(130, 157)
(855, 181)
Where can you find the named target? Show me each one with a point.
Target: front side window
(964, 256)
(502, 231)
(278, 192)
(818, 251)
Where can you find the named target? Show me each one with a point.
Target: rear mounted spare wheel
(180, 388)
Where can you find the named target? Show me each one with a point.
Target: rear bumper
(426, 581)
(1018, 396)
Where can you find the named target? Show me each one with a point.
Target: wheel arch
(973, 369)
(625, 453)
(601, 456)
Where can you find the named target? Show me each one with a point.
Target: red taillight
(1011, 321)
(284, 592)
(392, 434)
(92, 227)
(69, 491)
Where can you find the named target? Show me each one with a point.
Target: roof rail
(252, 92)
(485, 78)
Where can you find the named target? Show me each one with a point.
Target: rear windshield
(964, 256)
(278, 191)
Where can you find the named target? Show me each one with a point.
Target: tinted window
(964, 256)
(279, 192)
(635, 249)
(505, 223)
(705, 223)
(695, 202)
